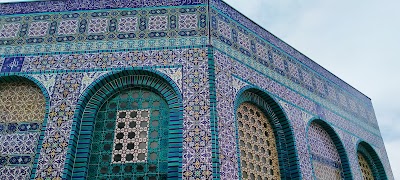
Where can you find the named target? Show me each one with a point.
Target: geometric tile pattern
(226, 87)
(18, 143)
(325, 157)
(247, 44)
(97, 25)
(131, 136)
(188, 21)
(127, 24)
(9, 30)
(365, 167)
(158, 23)
(197, 141)
(68, 27)
(22, 110)
(103, 25)
(21, 102)
(244, 41)
(14, 172)
(72, 5)
(224, 29)
(258, 153)
(69, 46)
(37, 29)
(58, 127)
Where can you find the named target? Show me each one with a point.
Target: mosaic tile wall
(22, 112)
(211, 52)
(231, 72)
(294, 80)
(324, 154)
(65, 88)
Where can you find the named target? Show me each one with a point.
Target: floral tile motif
(18, 143)
(68, 27)
(93, 26)
(244, 40)
(175, 74)
(38, 29)
(9, 30)
(14, 172)
(97, 25)
(72, 5)
(127, 24)
(12, 64)
(158, 23)
(188, 21)
(224, 29)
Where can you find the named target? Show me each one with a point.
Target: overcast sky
(359, 41)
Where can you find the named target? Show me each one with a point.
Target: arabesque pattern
(206, 48)
(21, 102)
(22, 112)
(325, 157)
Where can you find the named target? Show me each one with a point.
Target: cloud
(392, 148)
(357, 41)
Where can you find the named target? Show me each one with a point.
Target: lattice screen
(258, 152)
(130, 140)
(365, 168)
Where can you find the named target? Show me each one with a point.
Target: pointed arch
(282, 130)
(103, 88)
(338, 144)
(372, 159)
(30, 81)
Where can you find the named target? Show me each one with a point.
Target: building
(171, 89)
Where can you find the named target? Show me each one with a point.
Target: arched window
(325, 157)
(266, 146)
(328, 155)
(130, 137)
(22, 112)
(128, 125)
(366, 170)
(258, 152)
(370, 165)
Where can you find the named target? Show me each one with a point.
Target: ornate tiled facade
(23, 110)
(85, 76)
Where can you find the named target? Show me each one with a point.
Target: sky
(358, 41)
